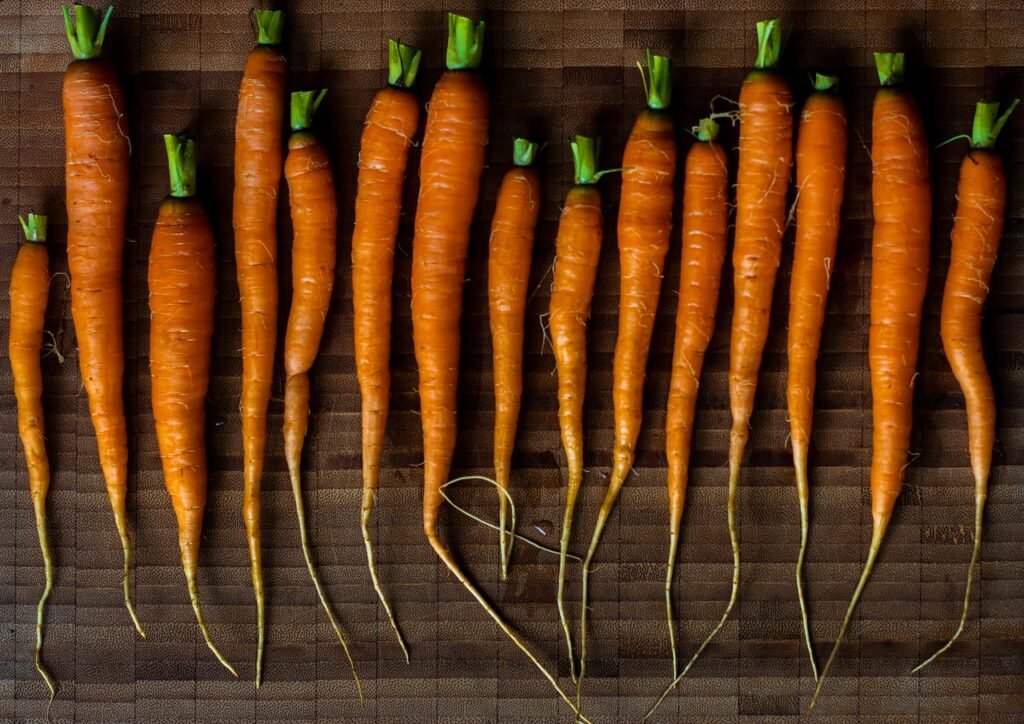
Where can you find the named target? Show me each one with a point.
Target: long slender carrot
(182, 291)
(704, 236)
(902, 204)
(644, 226)
(30, 290)
(383, 154)
(97, 175)
(508, 274)
(820, 175)
(258, 165)
(453, 159)
(577, 253)
(977, 230)
(314, 212)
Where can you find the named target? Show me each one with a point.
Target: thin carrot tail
(978, 515)
(602, 520)
(39, 505)
(300, 510)
(673, 551)
(445, 555)
(126, 546)
(505, 537)
(259, 592)
(193, 594)
(369, 498)
(803, 495)
(734, 540)
(570, 504)
(876, 542)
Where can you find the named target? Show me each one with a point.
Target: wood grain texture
(554, 68)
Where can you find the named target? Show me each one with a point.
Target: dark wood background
(555, 68)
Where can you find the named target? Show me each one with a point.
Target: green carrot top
(769, 44)
(181, 165)
(303, 108)
(657, 81)
(87, 32)
(825, 83)
(403, 64)
(988, 123)
(524, 152)
(34, 227)
(890, 68)
(465, 42)
(707, 130)
(269, 26)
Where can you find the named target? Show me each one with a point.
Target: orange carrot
(30, 290)
(820, 174)
(644, 226)
(977, 229)
(383, 153)
(902, 204)
(577, 253)
(314, 212)
(97, 175)
(704, 236)
(508, 273)
(258, 130)
(453, 159)
(182, 291)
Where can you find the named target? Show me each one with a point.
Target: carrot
(453, 159)
(704, 236)
(902, 206)
(820, 174)
(314, 212)
(644, 226)
(977, 229)
(30, 290)
(577, 253)
(383, 154)
(182, 291)
(508, 273)
(97, 175)
(261, 101)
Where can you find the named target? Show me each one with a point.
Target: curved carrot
(977, 229)
(383, 154)
(902, 204)
(261, 102)
(704, 236)
(577, 253)
(453, 159)
(314, 213)
(508, 274)
(820, 174)
(644, 226)
(30, 290)
(97, 176)
(182, 291)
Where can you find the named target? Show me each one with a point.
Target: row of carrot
(182, 290)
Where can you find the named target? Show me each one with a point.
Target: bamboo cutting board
(555, 68)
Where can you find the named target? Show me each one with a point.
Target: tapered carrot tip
(193, 594)
(127, 578)
(364, 522)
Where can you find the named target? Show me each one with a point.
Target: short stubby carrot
(704, 237)
(30, 290)
(182, 293)
(258, 166)
(388, 132)
(314, 213)
(508, 274)
(454, 145)
(644, 226)
(977, 230)
(902, 206)
(577, 253)
(820, 176)
(97, 174)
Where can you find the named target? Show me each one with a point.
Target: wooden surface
(554, 68)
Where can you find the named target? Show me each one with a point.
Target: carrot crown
(34, 227)
(269, 26)
(707, 130)
(890, 68)
(585, 152)
(88, 30)
(181, 165)
(769, 43)
(524, 152)
(988, 123)
(657, 80)
(403, 64)
(465, 43)
(303, 108)
(825, 83)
